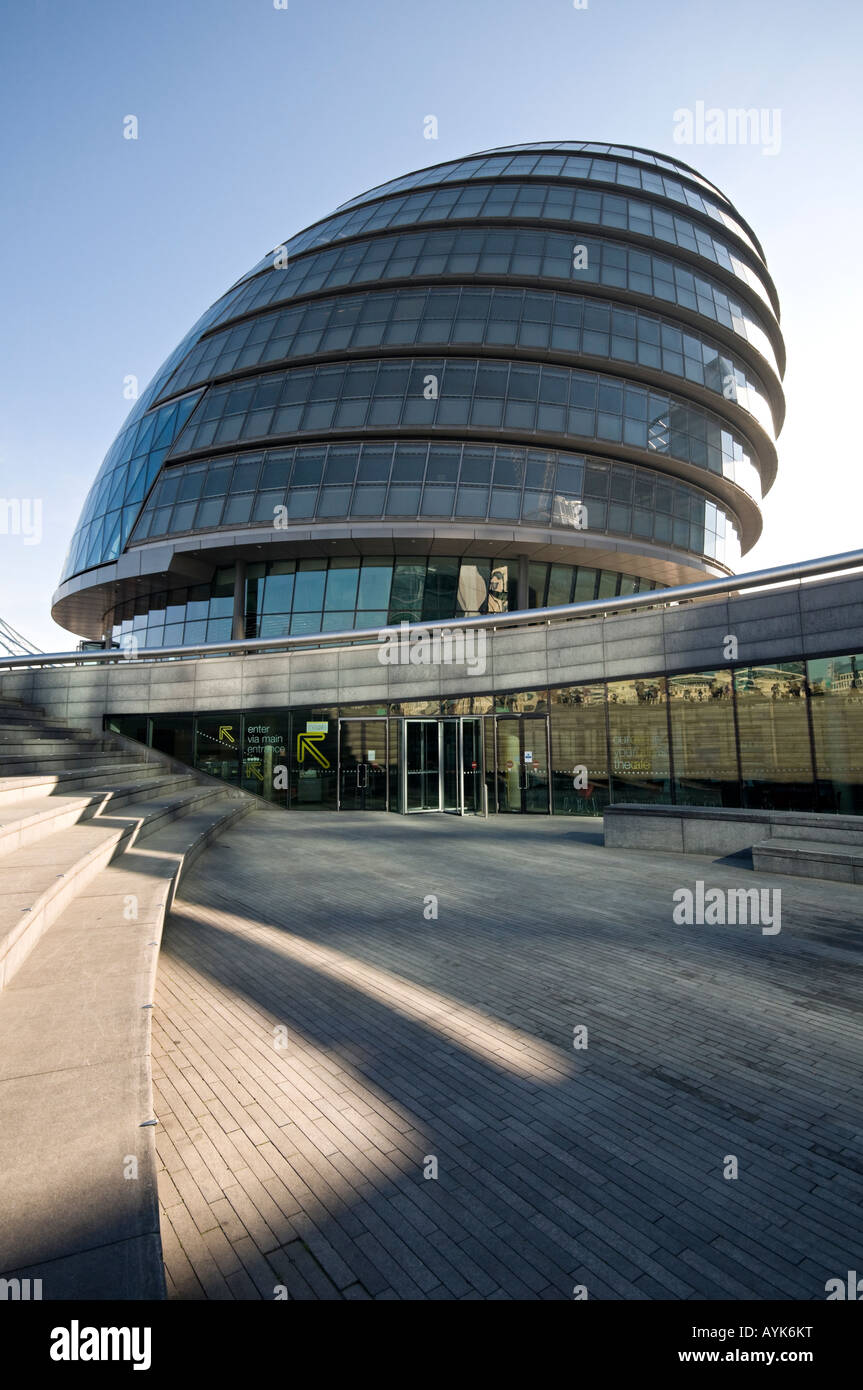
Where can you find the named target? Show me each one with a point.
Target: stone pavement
(319, 1040)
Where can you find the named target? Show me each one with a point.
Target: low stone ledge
(714, 829)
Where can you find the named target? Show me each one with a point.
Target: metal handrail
(653, 598)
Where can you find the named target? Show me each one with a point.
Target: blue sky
(255, 121)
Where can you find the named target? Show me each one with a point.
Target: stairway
(830, 851)
(94, 836)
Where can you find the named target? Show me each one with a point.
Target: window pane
(775, 754)
(638, 740)
(836, 691)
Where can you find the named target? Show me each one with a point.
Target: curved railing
(592, 608)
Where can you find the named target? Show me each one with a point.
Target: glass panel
(522, 766)
(450, 778)
(342, 585)
(266, 744)
(638, 740)
(422, 764)
(363, 765)
(703, 739)
(439, 600)
(472, 765)
(314, 758)
(375, 581)
(218, 745)
(407, 591)
(836, 703)
(579, 750)
(775, 751)
(309, 586)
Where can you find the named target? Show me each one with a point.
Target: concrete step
(12, 727)
(39, 880)
(34, 745)
(12, 706)
(36, 785)
(842, 833)
(26, 821)
(75, 1085)
(60, 761)
(829, 859)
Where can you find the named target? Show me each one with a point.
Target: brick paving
(295, 1160)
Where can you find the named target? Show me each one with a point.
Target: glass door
(443, 765)
(471, 753)
(522, 764)
(422, 765)
(363, 765)
(451, 766)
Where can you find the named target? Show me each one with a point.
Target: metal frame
(362, 719)
(521, 718)
(457, 720)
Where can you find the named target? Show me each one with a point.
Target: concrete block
(573, 658)
(631, 666)
(841, 641)
(524, 642)
(719, 837)
(576, 633)
(644, 647)
(302, 681)
(273, 687)
(831, 593)
(648, 626)
(363, 695)
(578, 674)
(714, 613)
(775, 604)
(636, 830)
(756, 630)
(845, 616)
(698, 639)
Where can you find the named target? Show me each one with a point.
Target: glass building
(783, 736)
(536, 375)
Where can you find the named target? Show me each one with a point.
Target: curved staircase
(95, 834)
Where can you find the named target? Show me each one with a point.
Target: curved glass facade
(560, 166)
(511, 255)
(537, 487)
(379, 377)
(471, 393)
(333, 595)
(535, 203)
(559, 323)
(125, 478)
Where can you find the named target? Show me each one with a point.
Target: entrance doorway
(363, 765)
(523, 782)
(442, 765)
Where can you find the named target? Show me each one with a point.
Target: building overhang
(81, 602)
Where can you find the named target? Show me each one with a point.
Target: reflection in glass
(836, 703)
(773, 730)
(579, 750)
(704, 745)
(638, 740)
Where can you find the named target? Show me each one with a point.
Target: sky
(254, 121)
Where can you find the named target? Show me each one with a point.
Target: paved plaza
(324, 1044)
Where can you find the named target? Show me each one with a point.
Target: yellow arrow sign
(306, 744)
(252, 770)
(225, 735)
